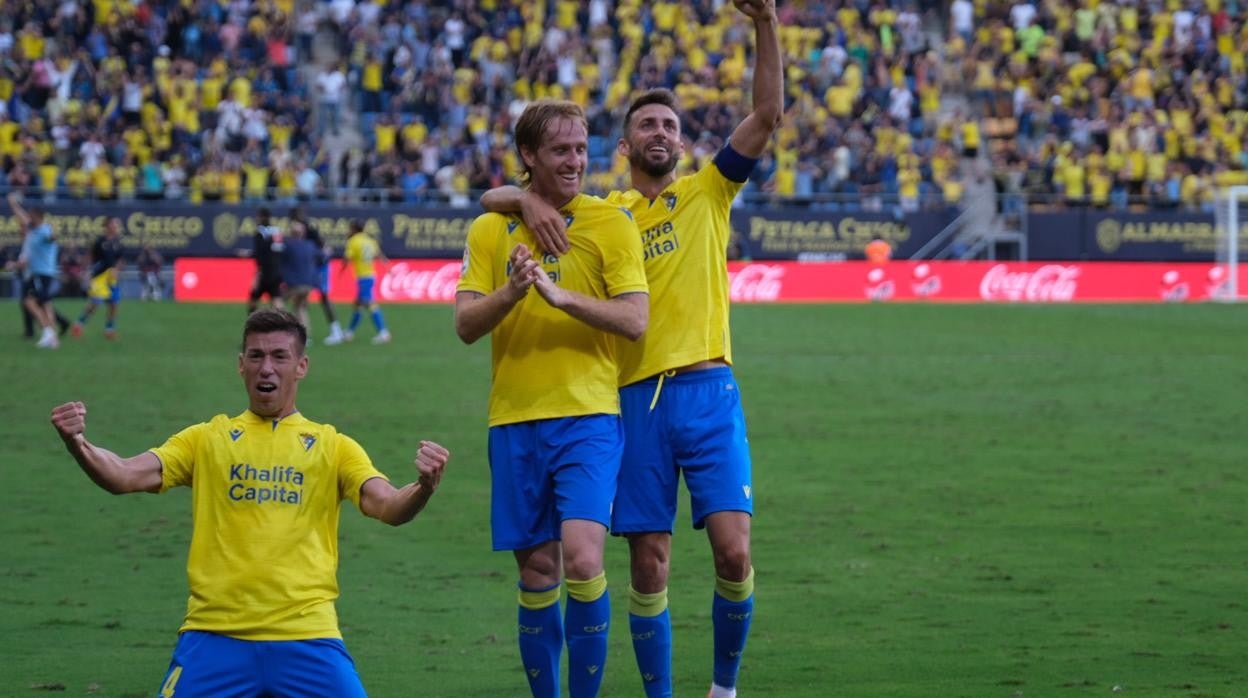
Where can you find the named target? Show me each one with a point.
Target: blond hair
(531, 126)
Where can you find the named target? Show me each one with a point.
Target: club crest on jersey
(670, 200)
(235, 434)
(308, 440)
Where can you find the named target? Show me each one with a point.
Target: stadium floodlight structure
(1228, 208)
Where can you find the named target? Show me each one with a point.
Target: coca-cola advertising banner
(1091, 234)
(434, 281)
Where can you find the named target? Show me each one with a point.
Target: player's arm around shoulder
(544, 220)
(397, 505)
(114, 474)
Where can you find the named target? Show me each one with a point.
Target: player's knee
(584, 564)
(732, 560)
(649, 564)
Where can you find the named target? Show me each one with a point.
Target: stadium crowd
(1073, 102)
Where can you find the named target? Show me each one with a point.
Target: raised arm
(396, 506)
(477, 314)
(543, 219)
(111, 472)
(751, 135)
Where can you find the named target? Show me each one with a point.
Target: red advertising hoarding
(433, 281)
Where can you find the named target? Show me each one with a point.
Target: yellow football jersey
(361, 250)
(684, 234)
(546, 363)
(266, 499)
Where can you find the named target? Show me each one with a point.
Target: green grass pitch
(976, 500)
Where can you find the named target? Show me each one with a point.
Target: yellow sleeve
(354, 469)
(177, 457)
(721, 189)
(623, 268)
(478, 274)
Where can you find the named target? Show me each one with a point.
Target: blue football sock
(355, 321)
(541, 640)
(378, 321)
(587, 621)
(731, 612)
(651, 626)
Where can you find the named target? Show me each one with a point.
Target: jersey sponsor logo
(659, 240)
(235, 434)
(278, 484)
(308, 440)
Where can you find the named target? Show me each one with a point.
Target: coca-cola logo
(756, 283)
(879, 286)
(925, 284)
(402, 282)
(1050, 283)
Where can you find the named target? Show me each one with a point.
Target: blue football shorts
(546, 471)
(364, 290)
(696, 427)
(210, 665)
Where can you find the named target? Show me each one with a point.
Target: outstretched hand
(431, 461)
(70, 421)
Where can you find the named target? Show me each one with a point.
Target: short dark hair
(267, 320)
(659, 95)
